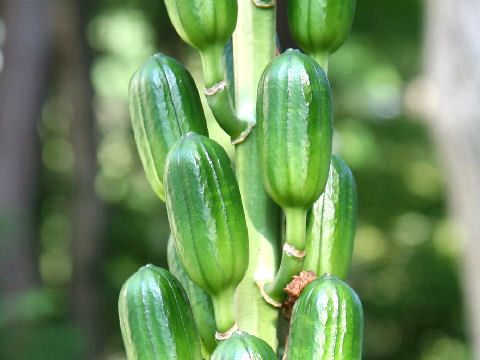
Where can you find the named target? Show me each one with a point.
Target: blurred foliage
(406, 253)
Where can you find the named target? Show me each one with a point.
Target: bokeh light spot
(57, 155)
(56, 232)
(357, 145)
(370, 244)
(449, 239)
(412, 229)
(56, 266)
(423, 179)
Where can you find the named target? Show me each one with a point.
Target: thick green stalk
(322, 60)
(293, 253)
(296, 220)
(222, 305)
(254, 45)
(218, 96)
(290, 266)
(213, 71)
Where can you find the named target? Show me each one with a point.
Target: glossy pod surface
(200, 301)
(244, 346)
(331, 224)
(164, 105)
(320, 26)
(326, 323)
(203, 23)
(155, 317)
(294, 115)
(206, 217)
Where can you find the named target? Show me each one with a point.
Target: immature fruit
(331, 224)
(320, 26)
(243, 346)
(294, 115)
(164, 105)
(207, 220)
(155, 317)
(326, 323)
(201, 23)
(200, 301)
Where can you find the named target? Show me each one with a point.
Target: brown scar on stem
(294, 289)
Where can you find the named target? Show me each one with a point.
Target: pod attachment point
(268, 299)
(243, 136)
(291, 250)
(294, 289)
(264, 3)
(218, 87)
(227, 334)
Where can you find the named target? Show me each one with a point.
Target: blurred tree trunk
(22, 90)
(452, 60)
(88, 209)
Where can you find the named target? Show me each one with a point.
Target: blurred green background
(406, 252)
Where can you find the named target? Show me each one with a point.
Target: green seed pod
(294, 115)
(200, 301)
(207, 220)
(320, 27)
(331, 224)
(243, 346)
(164, 105)
(203, 24)
(326, 323)
(155, 317)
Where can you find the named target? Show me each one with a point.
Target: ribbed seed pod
(320, 27)
(207, 220)
(155, 317)
(244, 346)
(331, 224)
(326, 323)
(203, 24)
(294, 115)
(200, 301)
(164, 105)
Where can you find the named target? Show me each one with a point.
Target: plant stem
(222, 109)
(322, 60)
(254, 44)
(218, 96)
(213, 71)
(296, 220)
(223, 308)
(291, 265)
